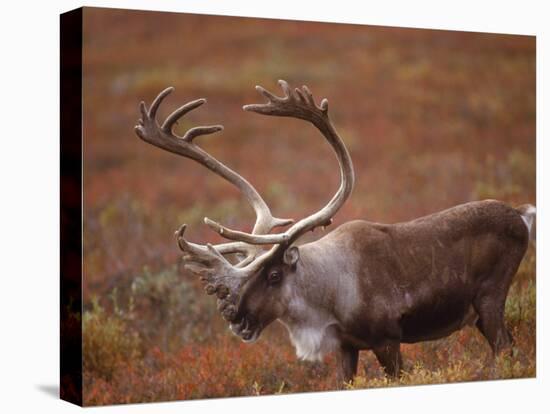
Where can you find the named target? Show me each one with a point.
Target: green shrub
(106, 342)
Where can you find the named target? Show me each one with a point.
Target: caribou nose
(237, 328)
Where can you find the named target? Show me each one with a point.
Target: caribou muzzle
(248, 329)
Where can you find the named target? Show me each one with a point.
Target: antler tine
(190, 135)
(246, 237)
(299, 104)
(270, 97)
(158, 100)
(308, 95)
(180, 112)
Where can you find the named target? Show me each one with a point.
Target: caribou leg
(389, 356)
(491, 324)
(497, 335)
(348, 359)
(489, 304)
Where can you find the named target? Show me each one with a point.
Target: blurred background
(432, 119)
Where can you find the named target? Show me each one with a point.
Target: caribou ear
(291, 256)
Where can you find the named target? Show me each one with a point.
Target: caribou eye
(274, 277)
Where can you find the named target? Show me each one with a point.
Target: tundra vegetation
(432, 119)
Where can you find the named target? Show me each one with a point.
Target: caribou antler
(221, 276)
(299, 103)
(163, 137)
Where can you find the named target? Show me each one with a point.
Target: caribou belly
(425, 324)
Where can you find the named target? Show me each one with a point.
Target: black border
(71, 206)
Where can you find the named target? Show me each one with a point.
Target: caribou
(362, 286)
